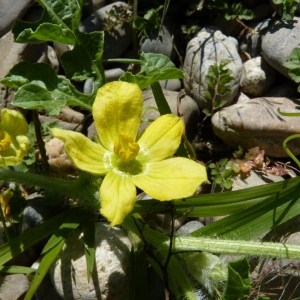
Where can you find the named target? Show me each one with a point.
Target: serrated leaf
(87, 54)
(35, 96)
(40, 88)
(154, 67)
(59, 20)
(26, 72)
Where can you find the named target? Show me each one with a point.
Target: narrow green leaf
(53, 247)
(260, 218)
(44, 266)
(30, 238)
(16, 270)
(89, 246)
(160, 99)
(138, 276)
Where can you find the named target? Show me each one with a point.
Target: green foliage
(293, 65)
(221, 173)
(154, 67)
(228, 9)
(40, 88)
(238, 284)
(59, 23)
(286, 8)
(118, 15)
(250, 213)
(150, 23)
(217, 79)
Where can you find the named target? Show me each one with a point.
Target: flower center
(5, 140)
(126, 148)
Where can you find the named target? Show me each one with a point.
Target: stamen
(126, 148)
(5, 140)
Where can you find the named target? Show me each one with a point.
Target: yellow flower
(128, 163)
(14, 143)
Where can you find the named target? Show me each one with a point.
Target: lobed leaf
(58, 22)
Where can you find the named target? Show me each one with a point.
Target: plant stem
(72, 188)
(160, 99)
(39, 140)
(237, 247)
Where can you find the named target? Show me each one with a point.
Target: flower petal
(85, 154)
(161, 139)
(118, 195)
(13, 122)
(169, 179)
(117, 110)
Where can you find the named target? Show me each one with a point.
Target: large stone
(257, 122)
(279, 41)
(161, 42)
(110, 281)
(116, 40)
(13, 286)
(10, 11)
(12, 53)
(210, 47)
(257, 77)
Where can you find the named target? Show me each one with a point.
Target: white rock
(69, 274)
(210, 47)
(279, 41)
(257, 77)
(257, 122)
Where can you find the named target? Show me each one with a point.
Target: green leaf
(87, 54)
(286, 8)
(154, 67)
(16, 270)
(89, 246)
(59, 21)
(53, 247)
(26, 72)
(293, 65)
(251, 222)
(138, 288)
(238, 284)
(30, 238)
(40, 88)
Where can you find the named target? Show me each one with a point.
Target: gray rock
(258, 123)
(257, 77)
(10, 11)
(13, 287)
(110, 281)
(171, 84)
(12, 53)
(113, 74)
(190, 227)
(253, 179)
(208, 48)
(159, 43)
(117, 40)
(254, 38)
(68, 118)
(279, 41)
